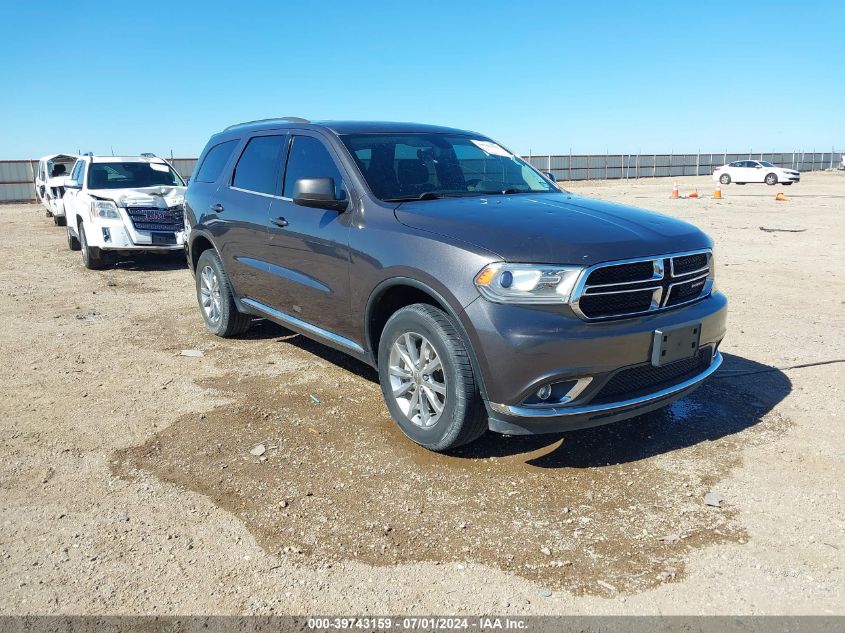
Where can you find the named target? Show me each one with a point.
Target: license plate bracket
(164, 238)
(675, 344)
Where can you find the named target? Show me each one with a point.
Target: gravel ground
(130, 484)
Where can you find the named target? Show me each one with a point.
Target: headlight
(104, 209)
(527, 283)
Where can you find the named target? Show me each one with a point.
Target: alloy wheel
(417, 380)
(210, 294)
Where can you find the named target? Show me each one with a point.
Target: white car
(123, 203)
(743, 171)
(49, 184)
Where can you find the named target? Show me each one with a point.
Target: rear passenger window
(214, 162)
(309, 158)
(258, 167)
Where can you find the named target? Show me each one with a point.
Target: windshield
(766, 163)
(422, 166)
(131, 175)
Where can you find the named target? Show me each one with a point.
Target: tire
(215, 299)
(92, 256)
(771, 179)
(725, 179)
(59, 220)
(786, 184)
(72, 242)
(410, 337)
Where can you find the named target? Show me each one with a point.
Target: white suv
(123, 203)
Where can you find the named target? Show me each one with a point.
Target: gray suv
(485, 296)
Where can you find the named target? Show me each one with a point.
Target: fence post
(606, 153)
(698, 163)
(549, 163)
(637, 167)
(570, 164)
(654, 167)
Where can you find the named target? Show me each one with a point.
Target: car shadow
(148, 261)
(735, 398)
(262, 329)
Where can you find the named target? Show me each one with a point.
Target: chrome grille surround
(661, 284)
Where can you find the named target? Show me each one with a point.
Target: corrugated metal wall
(17, 176)
(603, 166)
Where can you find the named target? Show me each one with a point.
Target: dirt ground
(127, 485)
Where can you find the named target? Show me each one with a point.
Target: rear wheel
(725, 179)
(771, 179)
(427, 379)
(215, 298)
(59, 220)
(92, 256)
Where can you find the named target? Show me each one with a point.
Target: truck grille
(154, 219)
(635, 381)
(629, 288)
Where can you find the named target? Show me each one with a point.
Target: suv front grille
(630, 288)
(635, 381)
(155, 219)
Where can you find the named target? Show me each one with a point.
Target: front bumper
(115, 235)
(520, 348)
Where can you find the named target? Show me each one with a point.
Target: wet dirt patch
(599, 511)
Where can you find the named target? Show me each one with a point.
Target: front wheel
(215, 297)
(92, 256)
(427, 379)
(725, 179)
(771, 179)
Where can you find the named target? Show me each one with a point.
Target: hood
(553, 228)
(158, 196)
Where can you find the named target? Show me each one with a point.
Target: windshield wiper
(428, 195)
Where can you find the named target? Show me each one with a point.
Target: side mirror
(550, 176)
(758, 166)
(318, 193)
(70, 183)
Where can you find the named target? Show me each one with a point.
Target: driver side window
(309, 158)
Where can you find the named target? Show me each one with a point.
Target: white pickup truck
(49, 184)
(123, 204)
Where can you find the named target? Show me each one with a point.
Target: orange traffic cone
(675, 191)
(718, 193)
(781, 197)
(693, 194)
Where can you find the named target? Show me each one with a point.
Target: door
(72, 201)
(756, 172)
(309, 248)
(241, 205)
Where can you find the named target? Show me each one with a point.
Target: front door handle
(217, 208)
(280, 221)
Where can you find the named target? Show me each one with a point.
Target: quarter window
(309, 158)
(214, 162)
(258, 167)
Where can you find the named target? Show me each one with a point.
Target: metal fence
(615, 166)
(17, 176)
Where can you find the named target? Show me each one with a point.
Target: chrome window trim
(657, 303)
(551, 412)
(255, 193)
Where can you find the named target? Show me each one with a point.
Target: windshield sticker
(491, 148)
(159, 167)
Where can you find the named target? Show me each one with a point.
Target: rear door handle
(217, 208)
(280, 221)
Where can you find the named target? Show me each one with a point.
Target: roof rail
(148, 155)
(289, 119)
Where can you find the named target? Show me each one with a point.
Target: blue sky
(545, 77)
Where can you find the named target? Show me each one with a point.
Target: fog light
(106, 235)
(544, 392)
